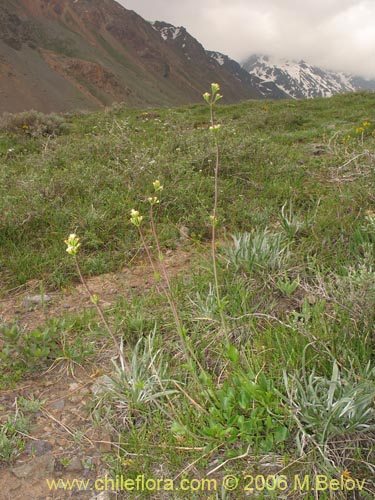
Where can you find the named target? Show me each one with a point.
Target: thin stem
(164, 271)
(188, 351)
(94, 300)
(214, 219)
(160, 285)
(150, 259)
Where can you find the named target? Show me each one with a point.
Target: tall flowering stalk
(164, 285)
(211, 99)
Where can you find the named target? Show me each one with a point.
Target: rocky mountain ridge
(283, 78)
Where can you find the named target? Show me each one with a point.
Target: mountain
(196, 63)
(282, 78)
(59, 55)
(234, 68)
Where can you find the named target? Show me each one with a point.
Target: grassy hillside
(98, 167)
(275, 374)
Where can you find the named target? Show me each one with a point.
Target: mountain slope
(285, 78)
(57, 55)
(196, 62)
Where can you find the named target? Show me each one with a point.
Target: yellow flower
(213, 220)
(153, 200)
(73, 244)
(207, 97)
(157, 186)
(135, 218)
(215, 128)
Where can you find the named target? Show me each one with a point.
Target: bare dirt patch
(109, 287)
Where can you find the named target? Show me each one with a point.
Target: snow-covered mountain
(298, 80)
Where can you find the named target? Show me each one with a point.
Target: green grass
(286, 384)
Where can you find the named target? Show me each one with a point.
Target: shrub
(33, 123)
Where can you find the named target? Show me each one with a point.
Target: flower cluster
(364, 130)
(213, 220)
(72, 243)
(157, 186)
(214, 96)
(153, 200)
(215, 128)
(135, 218)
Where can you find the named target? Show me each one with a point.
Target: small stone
(22, 471)
(75, 465)
(318, 149)
(101, 385)
(58, 405)
(38, 447)
(36, 467)
(36, 300)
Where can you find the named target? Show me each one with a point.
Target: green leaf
(281, 433)
(233, 354)
(178, 429)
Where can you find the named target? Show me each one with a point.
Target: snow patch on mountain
(167, 31)
(298, 79)
(220, 58)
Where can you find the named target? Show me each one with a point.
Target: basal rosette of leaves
(247, 408)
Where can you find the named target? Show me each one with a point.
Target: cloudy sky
(335, 34)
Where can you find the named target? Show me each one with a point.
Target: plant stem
(188, 351)
(94, 300)
(214, 220)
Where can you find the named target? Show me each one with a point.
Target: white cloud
(336, 34)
